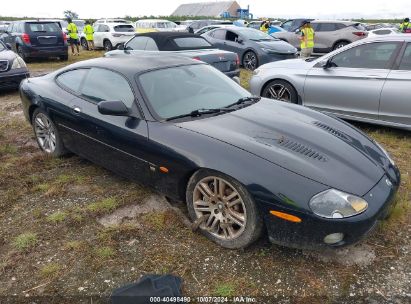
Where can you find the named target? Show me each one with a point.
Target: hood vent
(300, 148)
(331, 130)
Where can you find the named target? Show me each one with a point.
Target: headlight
(18, 63)
(336, 204)
(270, 51)
(385, 152)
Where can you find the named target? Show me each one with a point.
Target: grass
(25, 241)
(224, 290)
(50, 270)
(104, 206)
(57, 217)
(105, 252)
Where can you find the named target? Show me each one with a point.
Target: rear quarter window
(72, 79)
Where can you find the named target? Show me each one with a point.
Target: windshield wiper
(244, 100)
(199, 112)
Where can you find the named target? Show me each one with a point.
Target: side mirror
(240, 41)
(325, 64)
(114, 108)
(121, 46)
(8, 45)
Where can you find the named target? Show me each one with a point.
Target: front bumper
(311, 231)
(12, 78)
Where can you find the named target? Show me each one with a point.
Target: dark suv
(36, 39)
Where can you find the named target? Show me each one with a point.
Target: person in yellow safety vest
(265, 26)
(73, 34)
(89, 32)
(405, 27)
(307, 39)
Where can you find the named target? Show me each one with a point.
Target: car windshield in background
(79, 23)
(165, 25)
(180, 90)
(192, 42)
(64, 24)
(255, 35)
(124, 28)
(51, 27)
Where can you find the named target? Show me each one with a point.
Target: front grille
(331, 130)
(4, 65)
(301, 149)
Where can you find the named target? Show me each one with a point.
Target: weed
(224, 290)
(103, 206)
(50, 270)
(105, 252)
(57, 217)
(25, 241)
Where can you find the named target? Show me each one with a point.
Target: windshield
(181, 90)
(167, 24)
(255, 34)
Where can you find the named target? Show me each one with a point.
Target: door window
(219, 34)
(231, 36)
(327, 27)
(72, 79)
(105, 85)
(366, 56)
(406, 59)
(137, 43)
(151, 45)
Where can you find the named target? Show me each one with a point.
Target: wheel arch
(340, 40)
(285, 80)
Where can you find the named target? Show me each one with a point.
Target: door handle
(76, 110)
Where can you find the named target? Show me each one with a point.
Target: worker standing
(405, 27)
(265, 25)
(307, 39)
(73, 34)
(89, 32)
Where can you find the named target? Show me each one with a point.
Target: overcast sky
(260, 8)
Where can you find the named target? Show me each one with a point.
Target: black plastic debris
(151, 285)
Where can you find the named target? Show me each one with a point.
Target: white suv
(106, 20)
(110, 35)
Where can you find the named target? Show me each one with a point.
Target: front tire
(340, 44)
(84, 44)
(225, 210)
(46, 134)
(107, 45)
(250, 61)
(280, 90)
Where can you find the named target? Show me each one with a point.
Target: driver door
(98, 36)
(352, 81)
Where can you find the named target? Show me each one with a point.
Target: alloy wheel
(279, 92)
(45, 133)
(222, 207)
(250, 61)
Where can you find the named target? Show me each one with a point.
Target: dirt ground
(72, 229)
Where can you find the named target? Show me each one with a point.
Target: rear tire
(250, 61)
(64, 57)
(21, 54)
(107, 45)
(280, 90)
(230, 216)
(47, 135)
(340, 44)
(84, 44)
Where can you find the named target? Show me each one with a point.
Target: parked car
(242, 164)
(36, 39)
(211, 27)
(368, 81)
(110, 35)
(198, 24)
(252, 46)
(157, 25)
(183, 44)
(13, 69)
(292, 25)
(4, 25)
(329, 35)
(383, 31)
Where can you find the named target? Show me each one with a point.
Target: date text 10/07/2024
(239, 299)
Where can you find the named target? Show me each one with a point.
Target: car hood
(297, 63)
(301, 140)
(278, 46)
(7, 55)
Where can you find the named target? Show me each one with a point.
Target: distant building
(209, 9)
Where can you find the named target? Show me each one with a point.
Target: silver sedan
(369, 80)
